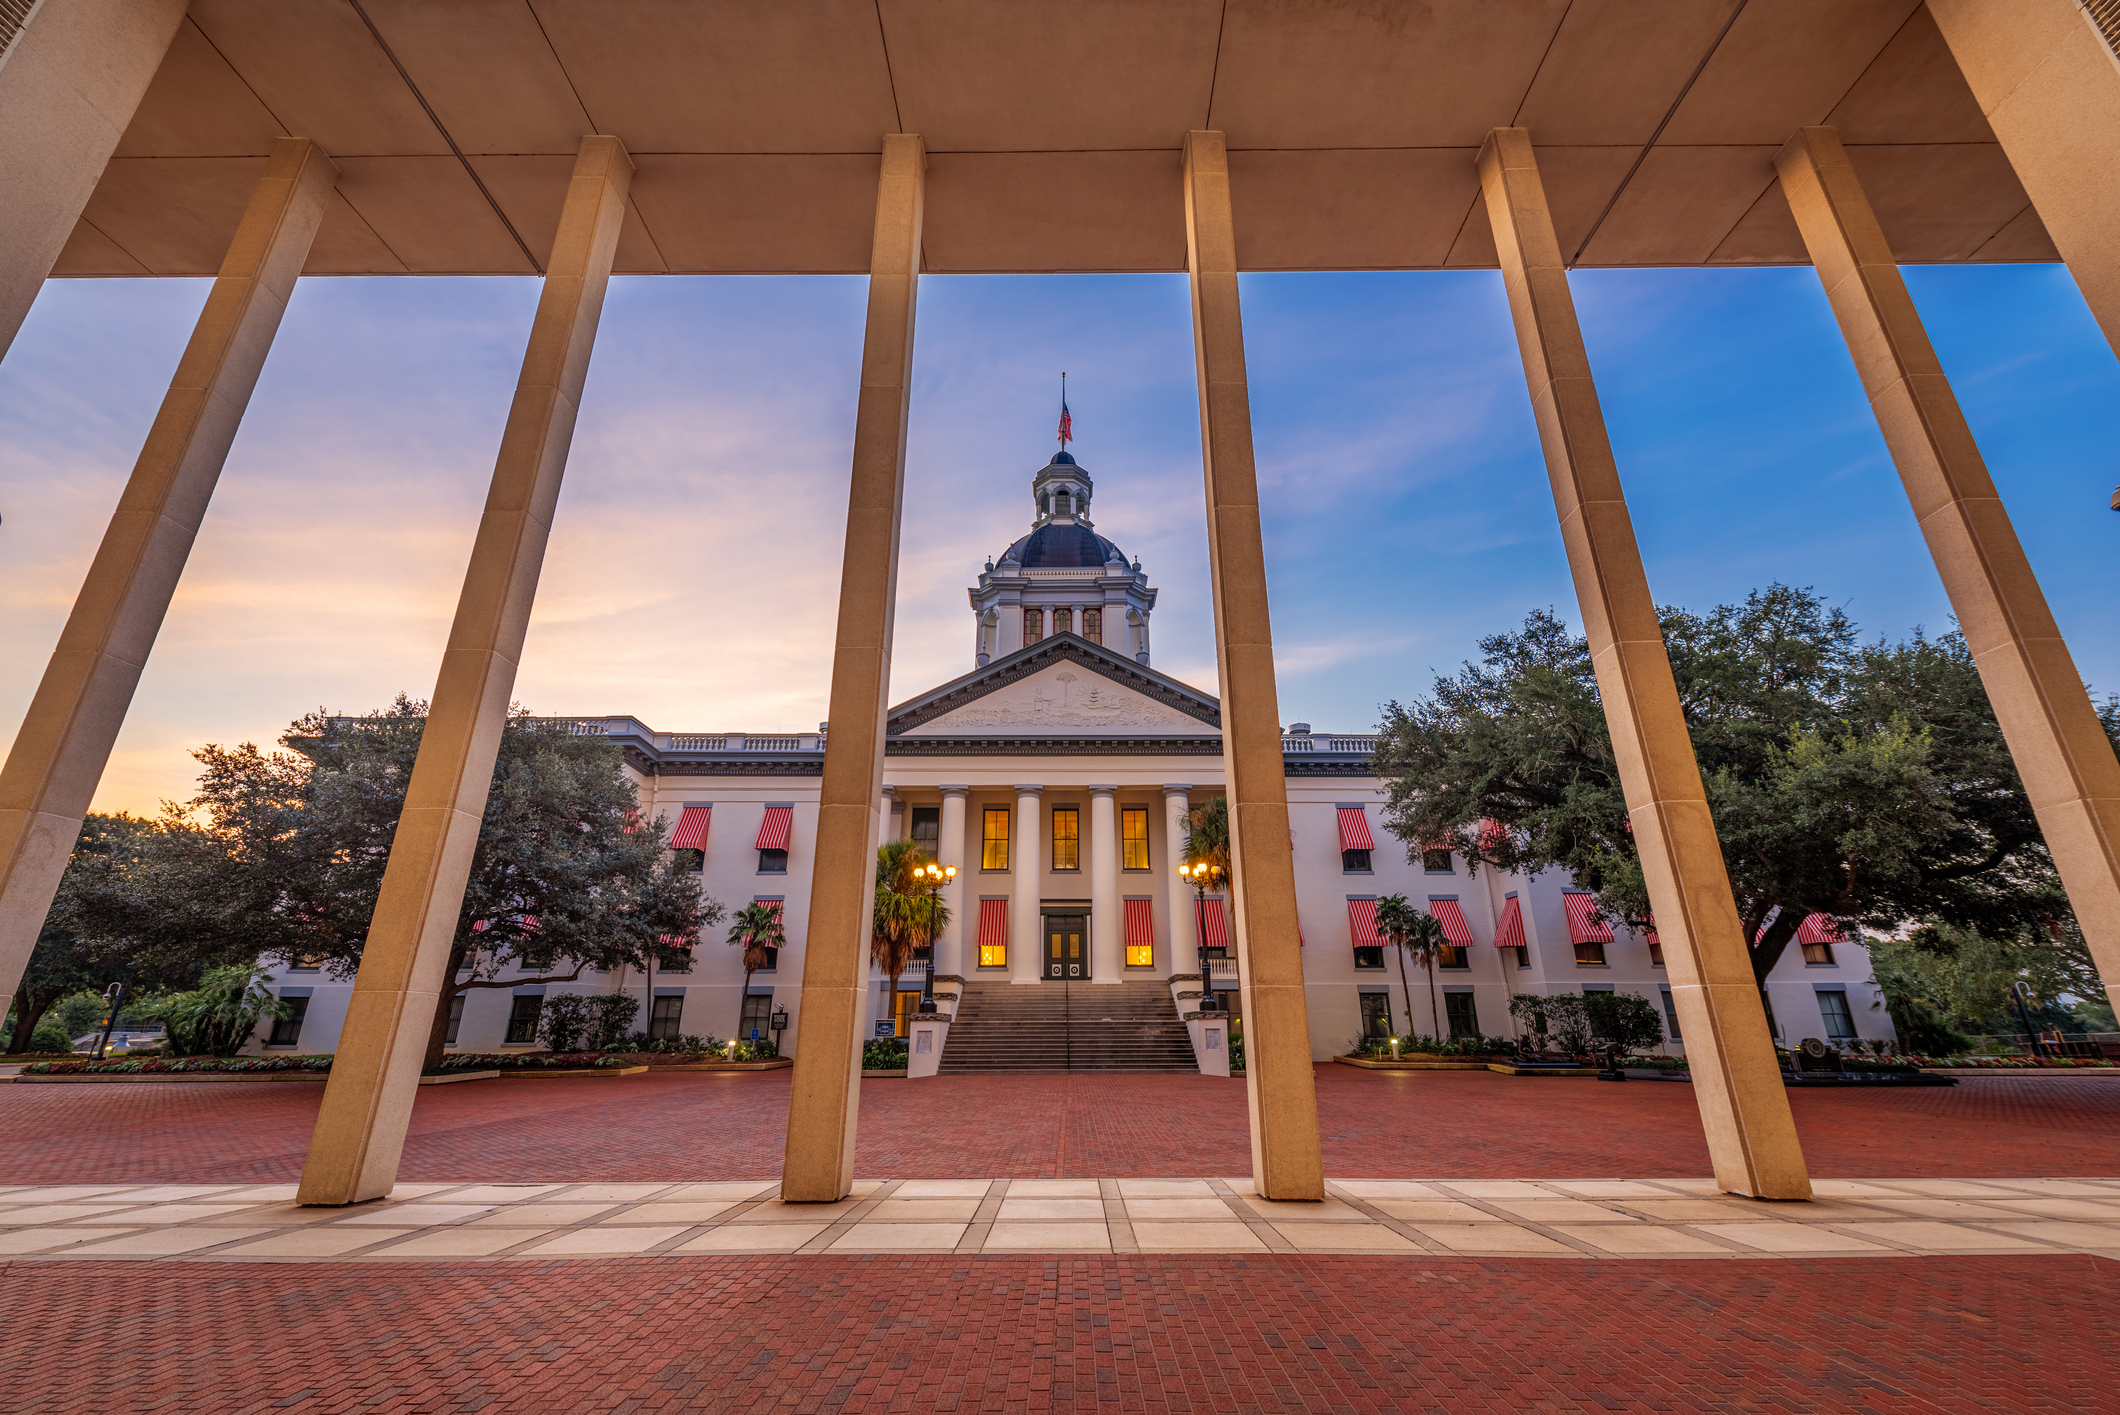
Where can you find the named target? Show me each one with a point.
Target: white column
(1182, 950)
(1107, 931)
(1026, 945)
(949, 850)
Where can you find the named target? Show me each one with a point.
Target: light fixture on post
(936, 876)
(1204, 876)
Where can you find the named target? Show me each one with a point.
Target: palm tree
(1207, 835)
(908, 913)
(758, 929)
(1424, 939)
(1395, 918)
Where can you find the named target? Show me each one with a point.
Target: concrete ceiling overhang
(1054, 130)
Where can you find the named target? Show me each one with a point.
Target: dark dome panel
(1062, 548)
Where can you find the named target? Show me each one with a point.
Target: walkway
(1494, 1218)
(1376, 1125)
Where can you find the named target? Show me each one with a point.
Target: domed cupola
(1062, 578)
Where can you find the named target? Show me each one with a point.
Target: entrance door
(1066, 946)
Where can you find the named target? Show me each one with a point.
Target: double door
(1067, 947)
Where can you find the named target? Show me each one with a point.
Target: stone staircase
(1057, 1026)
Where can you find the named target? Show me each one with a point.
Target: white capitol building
(1056, 777)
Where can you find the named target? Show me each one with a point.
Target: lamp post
(1204, 876)
(936, 876)
(115, 994)
(2021, 994)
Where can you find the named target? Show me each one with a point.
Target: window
(1460, 1013)
(772, 862)
(664, 1014)
(1656, 951)
(1033, 625)
(993, 933)
(1833, 1007)
(304, 963)
(993, 851)
(691, 861)
(1437, 862)
(1093, 625)
(456, 1019)
(1819, 953)
(1063, 621)
(1067, 838)
(757, 1017)
(286, 1031)
(905, 1010)
(1355, 862)
(1368, 957)
(522, 1020)
(1671, 1017)
(1523, 955)
(1590, 953)
(1376, 1014)
(1133, 834)
(680, 962)
(1767, 1004)
(1451, 955)
(927, 829)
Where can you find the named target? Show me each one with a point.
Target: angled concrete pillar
(1285, 1159)
(1736, 1076)
(1100, 844)
(826, 1084)
(1026, 946)
(2045, 712)
(65, 740)
(2050, 87)
(68, 88)
(360, 1130)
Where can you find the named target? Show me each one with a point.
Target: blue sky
(695, 560)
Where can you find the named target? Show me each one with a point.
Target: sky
(693, 568)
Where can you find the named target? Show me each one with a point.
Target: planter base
(573, 1075)
(1510, 1068)
(1407, 1064)
(451, 1077)
(773, 1065)
(186, 1076)
(900, 1075)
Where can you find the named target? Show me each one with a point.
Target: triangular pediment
(1064, 686)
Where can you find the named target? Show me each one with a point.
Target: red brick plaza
(1376, 1125)
(1006, 1333)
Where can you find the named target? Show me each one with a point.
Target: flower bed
(536, 1061)
(2010, 1063)
(169, 1066)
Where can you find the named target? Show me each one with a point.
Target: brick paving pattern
(1381, 1125)
(1109, 1335)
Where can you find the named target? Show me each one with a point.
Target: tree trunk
(30, 1006)
(743, 1000)
(1434, 1019)
(437, 1034)
(1404, 986)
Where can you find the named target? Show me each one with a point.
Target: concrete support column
(1285, 1158)
(949, 850)
(1736, 1077)
(68, 89)
(2050, 88)
(1107, 931)
(65, 739)
(826, 1084)
(360, 1130)
(2053, 732)
(1181, 946)
(1026, 945)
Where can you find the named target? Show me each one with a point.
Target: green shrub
(217, 1017)
(50, 1037)
(882, 1056)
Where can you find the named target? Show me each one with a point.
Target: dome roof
(1063, 548)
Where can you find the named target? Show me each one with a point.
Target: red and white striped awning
(692, 825)
(1509, 933)
(773, 831)
(993, 923)
(1354, 829)
(1819, 928)
(1362, 923)
(1452, 918)
(776, 905)
(1214, 925)
(1140, 923)
(1584, 926)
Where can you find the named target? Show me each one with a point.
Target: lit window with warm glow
(1067, 838)
(1133, 837)
(993, 852)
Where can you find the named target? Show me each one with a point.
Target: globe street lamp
(1204, 876)
(935, 877)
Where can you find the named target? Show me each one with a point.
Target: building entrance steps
(1060, 1026)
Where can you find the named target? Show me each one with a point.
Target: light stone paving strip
(1572, 1218)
